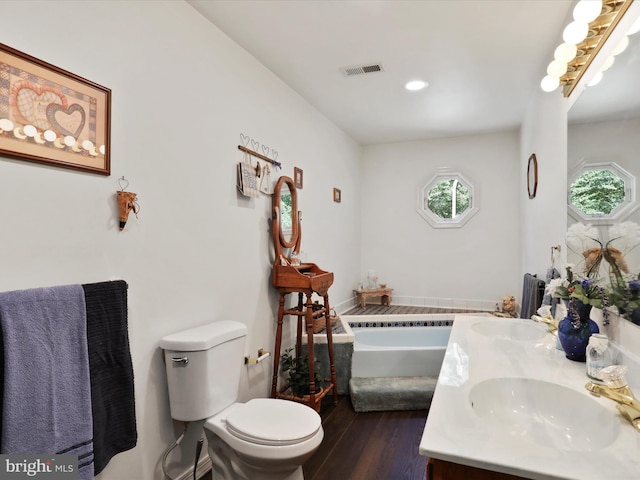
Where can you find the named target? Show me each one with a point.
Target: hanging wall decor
(127, 202)
(52, 116)
(266, 182)
(251, 180)
(337, 195)
(297, 177)
(247, 178)
(253, 151)
(532, 176)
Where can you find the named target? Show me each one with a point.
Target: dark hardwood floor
(367, 446)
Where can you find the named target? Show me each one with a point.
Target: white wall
(478, 261)
(543, 218)
(182, 94)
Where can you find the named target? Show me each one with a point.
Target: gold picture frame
(52, 116)
(337, 195)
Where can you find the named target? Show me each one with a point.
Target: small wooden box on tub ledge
(381, 291)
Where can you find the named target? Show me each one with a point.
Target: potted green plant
(297, 370)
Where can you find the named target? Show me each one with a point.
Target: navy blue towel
(112, 391)
(532, 293)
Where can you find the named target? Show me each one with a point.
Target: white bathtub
(399, 351)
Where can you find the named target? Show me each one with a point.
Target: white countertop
(455, 432)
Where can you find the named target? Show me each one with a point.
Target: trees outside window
(601, 191)
(448, 200)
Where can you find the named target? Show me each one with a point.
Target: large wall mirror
(603, 142)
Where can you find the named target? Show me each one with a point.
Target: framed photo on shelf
(337, 195)
(298, 177)
(52, 116)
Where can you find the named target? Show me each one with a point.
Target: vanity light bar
(598, 32)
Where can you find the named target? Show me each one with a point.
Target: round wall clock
(532, 176)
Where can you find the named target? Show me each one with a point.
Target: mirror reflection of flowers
(624, 294)
(614, 246)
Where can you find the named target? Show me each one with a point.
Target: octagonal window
(601, 191)
(447, 201)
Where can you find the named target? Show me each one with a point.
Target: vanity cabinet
(443, 470)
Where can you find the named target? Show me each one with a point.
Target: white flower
(581, 237)
(625, 235)
(552, 286)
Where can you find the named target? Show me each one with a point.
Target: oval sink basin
(510, 329)
(546, 413)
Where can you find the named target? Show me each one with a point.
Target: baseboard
(204, 467)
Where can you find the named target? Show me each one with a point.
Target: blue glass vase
(574, 336)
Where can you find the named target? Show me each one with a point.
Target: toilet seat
(268, 421)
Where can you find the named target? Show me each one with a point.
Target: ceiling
(483, 59)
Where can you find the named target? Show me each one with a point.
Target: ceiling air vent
(362, 69)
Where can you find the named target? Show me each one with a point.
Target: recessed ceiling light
(415, 85)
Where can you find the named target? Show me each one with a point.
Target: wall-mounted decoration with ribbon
(127, 202)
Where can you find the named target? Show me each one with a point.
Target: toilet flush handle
(183, 360)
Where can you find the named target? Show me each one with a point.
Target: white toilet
(263, 439)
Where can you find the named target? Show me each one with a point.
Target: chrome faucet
(618, 390)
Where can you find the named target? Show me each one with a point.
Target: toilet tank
(203, 368)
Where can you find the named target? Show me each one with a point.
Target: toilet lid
(268, 421)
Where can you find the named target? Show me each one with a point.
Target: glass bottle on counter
(598, 355)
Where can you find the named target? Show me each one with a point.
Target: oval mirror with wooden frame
(532, 176)
(286, 228)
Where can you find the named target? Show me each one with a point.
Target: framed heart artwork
(52, 116)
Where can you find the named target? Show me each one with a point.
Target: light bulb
(586, 11)
(622, 46)
(565, 52)
(549, 84)
(595, 80)
(607, 64)
(556, 69)
(575, 32)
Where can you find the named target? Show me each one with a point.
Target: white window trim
(435, 220)
(620, 212)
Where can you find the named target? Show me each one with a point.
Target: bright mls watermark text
(38, 467)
